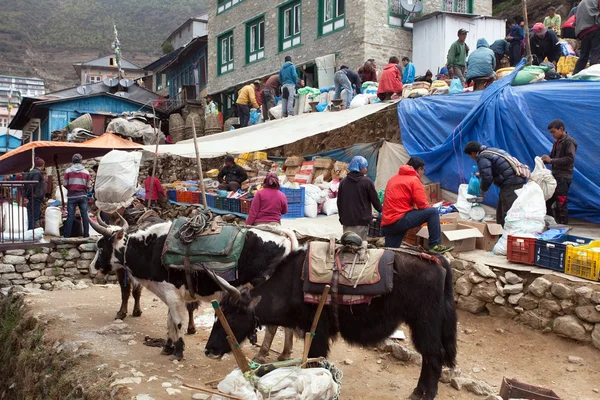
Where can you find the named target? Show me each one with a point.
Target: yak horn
(224, 285)
(100, 220)
(125, 224)
(99, 228)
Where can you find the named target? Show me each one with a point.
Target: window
(94, 78)
(111, 61)
(289, 25)
(398, 16)
(458, 6)
(255, 40)
(159, 81)
(225, 51)
(331, 16)
(223, 5)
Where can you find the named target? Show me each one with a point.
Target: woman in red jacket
(269, 204)
(390, 82)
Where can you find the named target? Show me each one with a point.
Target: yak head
(238, 308)
(109, 248)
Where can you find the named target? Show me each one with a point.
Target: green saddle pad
(219, 252)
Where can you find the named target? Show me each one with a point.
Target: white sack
(462, 205)
(298, 383)
(14, 218)
(311, 208)
(330, 207)
(359, 100)
(53, 219)
(276, 111)
(236, 385)
(116, 182)
(57, 194)
(30, 235)
(526, 216)
(543, 177)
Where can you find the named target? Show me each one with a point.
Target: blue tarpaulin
(437, 128)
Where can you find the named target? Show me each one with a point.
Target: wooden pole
(62, 196)
(215, 392)
(155, 153)
(527, 43)
(308, 337)
(235, 346)
(199, 162)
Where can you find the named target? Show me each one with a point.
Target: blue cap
(357, 163)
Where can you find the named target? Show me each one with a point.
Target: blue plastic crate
(219, 204)
(232, 205)
(172, 195)
(294, 196)
(295, 210)
(552, 253)
(211, 200)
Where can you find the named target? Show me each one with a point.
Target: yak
(140, 254)
(422, 297)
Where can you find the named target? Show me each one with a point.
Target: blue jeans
(395, 232)
(341, 81)
(34, 212)
(287, 105)
(80, 202)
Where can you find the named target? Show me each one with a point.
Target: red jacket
(390, 80)
(404, 192)
(156, 188)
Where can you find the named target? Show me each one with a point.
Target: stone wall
(547, 303)
(64, 265)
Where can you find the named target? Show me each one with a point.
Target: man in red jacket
(405, 207)
(390, 82)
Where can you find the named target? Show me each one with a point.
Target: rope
(189, 231)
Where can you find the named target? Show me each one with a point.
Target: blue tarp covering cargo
(437, 128)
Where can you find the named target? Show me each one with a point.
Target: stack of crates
(375, 227)
(521, 249)
(552, 253)
(211, 200)
(245, 205)
(295, 199)
(584, 261)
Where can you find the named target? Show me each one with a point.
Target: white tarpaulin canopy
(268, 135)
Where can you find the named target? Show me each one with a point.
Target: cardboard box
(326, 172)
(456, 234)
(433, 192)
(292, 170)
(491, 233)
(340, 170)
(293, 161)
(303, 179)
(323, 162)
(307, 167)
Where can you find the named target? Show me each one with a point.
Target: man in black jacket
(544, 44)
(231, 175)
(34, 193)
(356, 194)
(497, 166)
(562, 159)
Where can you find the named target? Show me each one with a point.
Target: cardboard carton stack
(433, 192)
(292, 167)
(306, 173)
(323, 167)
(456, 233)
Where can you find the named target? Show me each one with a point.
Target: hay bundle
(198, 123)
(83, 122)
(176, 127)
(213, 124)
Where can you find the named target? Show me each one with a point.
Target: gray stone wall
(63, 266)
(483, 7)
(547, 303)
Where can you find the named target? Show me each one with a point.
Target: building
(39, 117)
(106, 67)
(21, 87)
(249, 40)
(190, 29)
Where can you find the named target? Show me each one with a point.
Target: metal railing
(15, 215)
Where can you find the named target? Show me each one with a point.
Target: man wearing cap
(231, 175)
(356, 195)
(457, 56)
(247, 98)
(544, 44)
(211, 107)
(77, 181)
(34, 194)
(587, 29)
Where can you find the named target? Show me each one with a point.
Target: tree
(167, 47)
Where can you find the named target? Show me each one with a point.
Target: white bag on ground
(57, 193)
(543, 177)
(462, 205)
(53, 220)
(276, 111)
(359, 100)
(30, 235)
(116, 182)
(330, 207)
(14, 218)
(236, 384)
(311, 208)
(525, 217)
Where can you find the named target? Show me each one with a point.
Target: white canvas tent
(268, 135)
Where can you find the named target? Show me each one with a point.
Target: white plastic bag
(311, 208)
(53, 220)
(14, 218)
(330, 207)
(276, 111)
(116, 182)
(298, 383)
(359, 100)
(525, 217)
(543, 177)
(462, 205)
(236, 385)
(57, 194)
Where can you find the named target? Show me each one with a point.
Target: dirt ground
(489, 349)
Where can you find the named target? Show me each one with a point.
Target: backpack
(519, 168)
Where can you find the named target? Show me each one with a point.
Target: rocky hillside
(536, 9)
(44, 38)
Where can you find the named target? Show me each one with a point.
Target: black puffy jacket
(495, 169)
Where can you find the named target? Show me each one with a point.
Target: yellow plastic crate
(260, 155)
(241, 162)
(246, 156)
(583, 262)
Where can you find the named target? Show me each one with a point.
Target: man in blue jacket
(498, 167)
(408, 76)
(288, 77)
(481, 63)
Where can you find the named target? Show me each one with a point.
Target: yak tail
(449, 318)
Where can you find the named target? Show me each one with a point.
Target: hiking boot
(440, 249)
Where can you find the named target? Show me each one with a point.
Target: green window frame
(458, 6)
(255, 40)
(225, 47)
(398, 16)
(332, 16)
(290, 25)
(224, 5)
